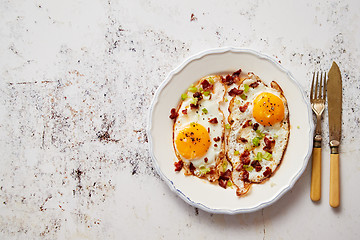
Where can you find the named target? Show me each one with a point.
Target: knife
(334, 90)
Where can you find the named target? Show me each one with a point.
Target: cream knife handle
(334, 181)
(315, 191)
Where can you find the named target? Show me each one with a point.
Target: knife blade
(334, 95)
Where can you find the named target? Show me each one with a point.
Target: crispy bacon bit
(269, 144)
(235, 91)
(256, 164)
(237, 73)
(247, 123)
(194, 106)
(217, 139)
(192, 168)
(245, 157)
(226, 175)
(228, 80)
(222, 183)
(254, 84)
(244, 107)
(243, 140)
(213, 121)
(267, 172)
(184, 111)
(239, 167)
(178, 165)
(245, 176)
(198, 95)
(206, 85)
(224, 178)
(206, 160)
(173, 114)
(215, 145)
(255, 126)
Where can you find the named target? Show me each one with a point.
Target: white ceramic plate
(211, 197)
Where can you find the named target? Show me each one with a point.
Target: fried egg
(232, 130)
(259, 132)
(198, 134)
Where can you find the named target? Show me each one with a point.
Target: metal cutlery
(334, 111)
(317, 99)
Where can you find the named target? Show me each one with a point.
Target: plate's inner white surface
(210, 195)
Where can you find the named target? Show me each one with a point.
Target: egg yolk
(193, 141)
(268, 109)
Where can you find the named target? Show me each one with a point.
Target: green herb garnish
(194, 101)
(227, 126)
(206, 93)
(259, 156)
(204, 110)
(204, 170)
(193, 89)
(225, 164)
(211, 80)
(229, 183)
(267, 156)
(248, 168)
(184, 96)
(236, 153)
(243, 96)
(260, 134)
(256, 141)
(246, 88)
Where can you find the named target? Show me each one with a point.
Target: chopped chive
(267, 156)
(298, 127)
(206, 93)
(248, 168)
(229, 183)
(226, 99)
(260, 134)
(243, 96)
(256, 141)
(194, 101)
(246, 88)
(236, 153)
(204, 110)
(225, 164)
(211, 80)
(184, 96)
(193, 89)
(201, 90)
(204, 170)
(259, 156)
(227, 126)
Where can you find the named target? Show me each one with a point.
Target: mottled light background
(76, 82)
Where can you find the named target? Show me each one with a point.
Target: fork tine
(320, 86)
(312, 88)
(316, 93)
(324, 89)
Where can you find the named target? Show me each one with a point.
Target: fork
(317, 99)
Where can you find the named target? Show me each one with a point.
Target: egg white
(211, 104)
(278, 131)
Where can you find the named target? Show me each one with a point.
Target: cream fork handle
(315, 191)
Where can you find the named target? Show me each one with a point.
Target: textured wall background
(76, 82)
